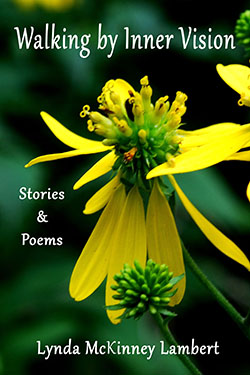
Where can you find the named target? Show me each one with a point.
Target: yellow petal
(102, 196)
(49, 157)
(205, 156)
(203, 136)
(236, 76)
(71, 139)
(218, 239)
(100, 168)
(242, 156)
(209, 130)
(92, 265)
(247, 144)
(248, 191)
(163, 240)
(128, 244)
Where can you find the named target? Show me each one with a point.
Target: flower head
(144, 141)
(143, 135)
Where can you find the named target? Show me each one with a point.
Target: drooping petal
(128, 244)
(92, 265)
(50, 157)
(103, 166)
(218, 239)
(241, 156)
(71, 139)
(236, 76)
(205, 156)
(163, 241)
(102, 196)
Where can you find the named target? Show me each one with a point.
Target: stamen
(138, 113)
(100, 130)
(100, 98)
(122, 125)
(128, 107)
(144, 81)
(142, 134)
(176, 139)
(91, 127)
(181, 97)
(170, 159)
(98, 117)
(105, 132)
(161, 107)
(131, 100)
(178, 108)
(128, 156)
(146, 93)
(118, 110)
(85, 111)
(244, 100)
(174, 121)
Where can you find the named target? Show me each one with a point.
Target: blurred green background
(35, 304)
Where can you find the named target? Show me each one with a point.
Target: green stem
(243, 323)
(171, 341)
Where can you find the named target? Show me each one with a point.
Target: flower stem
(171, 341)
(243, 323)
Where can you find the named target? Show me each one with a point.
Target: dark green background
(35, 304)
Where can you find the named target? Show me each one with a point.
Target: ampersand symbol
(41, 218)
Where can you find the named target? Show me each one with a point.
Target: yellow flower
(54, 5)
(238, 78)
(144, 141)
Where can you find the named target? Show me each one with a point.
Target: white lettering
(24, 38)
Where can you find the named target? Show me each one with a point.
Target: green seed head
(140, 290)
(242, 30)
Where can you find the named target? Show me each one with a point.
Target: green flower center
(143, 135)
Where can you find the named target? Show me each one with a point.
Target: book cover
(124, 137)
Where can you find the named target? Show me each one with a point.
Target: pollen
(128, 156)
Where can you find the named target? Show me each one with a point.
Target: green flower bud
(242, 30)
(140, 290)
